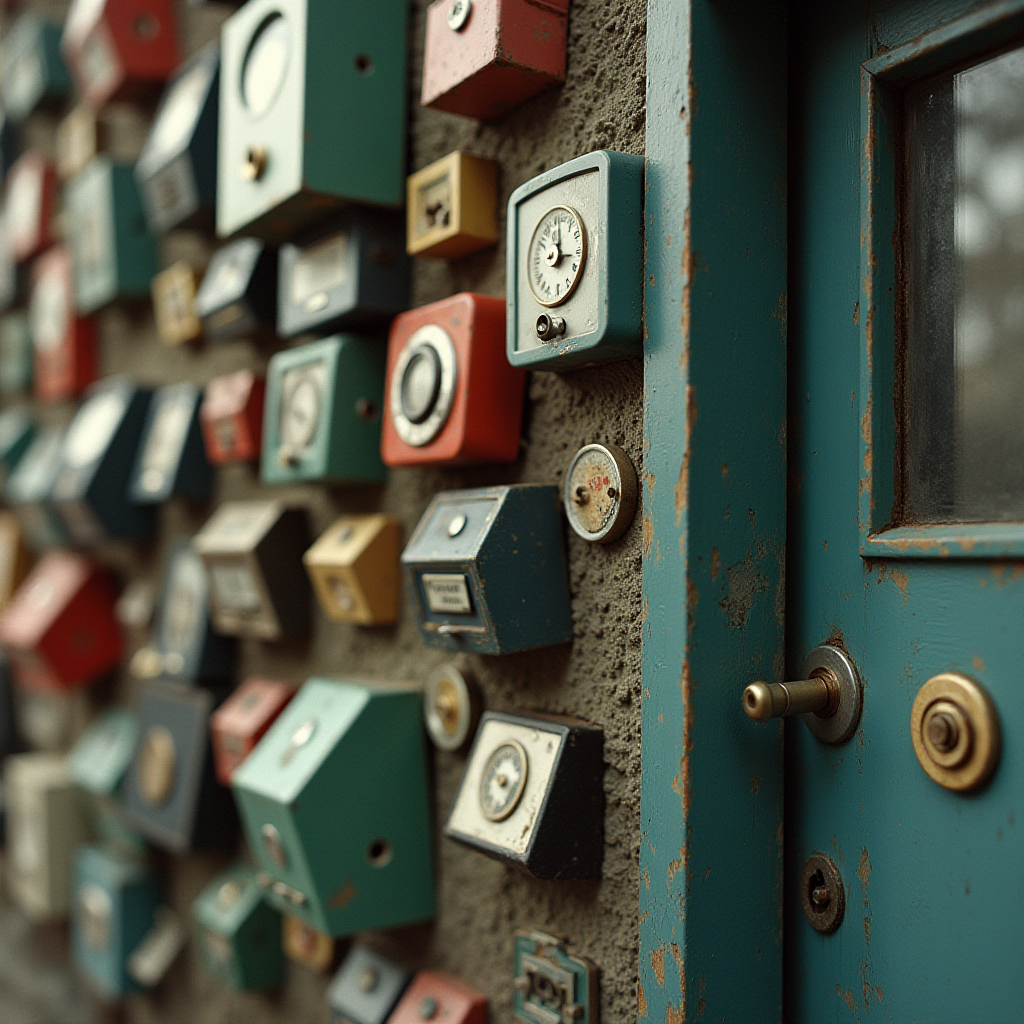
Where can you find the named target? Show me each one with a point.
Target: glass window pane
(963, 428)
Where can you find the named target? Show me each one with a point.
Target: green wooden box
(283, 161)
(336, 807)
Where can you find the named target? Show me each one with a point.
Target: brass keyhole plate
(954, 727)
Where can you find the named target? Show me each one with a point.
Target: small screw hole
(380, 853)
(364, 65)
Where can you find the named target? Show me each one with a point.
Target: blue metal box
(238, 293)
(366, 988)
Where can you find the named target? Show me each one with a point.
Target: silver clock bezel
(520, 789)
(419, 434)
(562, 299)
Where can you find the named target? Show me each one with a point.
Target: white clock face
(558, 252)
(180, 111)
(300, 410)
(266, 63)
(93, 428)
(503, 781)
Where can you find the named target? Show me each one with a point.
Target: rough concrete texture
(481, 902)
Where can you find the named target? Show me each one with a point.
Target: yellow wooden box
(174, 304)
(355, 569)
(451, 207)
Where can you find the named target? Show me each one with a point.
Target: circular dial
(450, 708)
(266, 63)
(503, 781)
(300, 411)
(423, 384)
(558, 253)
(600, 492)
(157, 762)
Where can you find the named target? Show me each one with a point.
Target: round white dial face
(93, 428)
(558, 253)
(266, 64)
(180, 111)
(300, 411)
(503, 780)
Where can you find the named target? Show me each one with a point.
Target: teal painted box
(575, 259)
(286, 159)
(322, 412)
(15, 353)
(91, 489)
(32, 68)
(114, 909)
(336, 808)
(16, 433)
(239, 933)
(486, 571)
(113, 252)
(29, 488)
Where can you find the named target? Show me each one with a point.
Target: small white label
(447, 593)
(320, 269)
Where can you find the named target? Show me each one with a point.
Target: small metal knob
(549, 327)
(458, 14)
(818, 695)
(254, 165)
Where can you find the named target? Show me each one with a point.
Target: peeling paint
(716, 561)
(658, 964)
(745, 582)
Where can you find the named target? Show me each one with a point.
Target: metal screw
(581, 497)
(458, 14)
(254, 165)
(368, 980)
(549, 327)
(821, 897)
(428, 1008)
(943, 731)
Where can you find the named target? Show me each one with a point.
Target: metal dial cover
(266, 64)
(93, 428)
(449, 708)
(503, 780)
(157, 764)
(423, 385)
(557, 256)
(300, 411)
(600, 492)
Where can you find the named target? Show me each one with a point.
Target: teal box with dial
(287, 158)
(32, 68)
(336, 808)
(322, 413)
(485, 570)
(114, 908)
(113, 252)
(575, 262)
(91, 489)
(238, 932)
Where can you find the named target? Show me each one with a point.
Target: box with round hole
(335, 806)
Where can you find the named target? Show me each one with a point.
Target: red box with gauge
(434, 996)
(63, 343)
(31, 202)
(239, 723)
(450, 395)
(120, 49)
(59, 628)
(232, 417)
(484, 57)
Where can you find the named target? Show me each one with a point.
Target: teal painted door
(905, 544)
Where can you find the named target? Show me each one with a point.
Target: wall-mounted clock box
(451, 207)
(238, 933)
(322, 413)
(366, 988)
(440, 997)
(352, 752)
(483, 57)
(81, 135)
(238, 295)
(114, 908)
(17, 431)
(15, 353)
(305, 945)
(286, 159)
(45, 822)
(253, 555)
(120, 49)
(533, 796)
(59, 628)
(114, 253)
(232, 416)
(355, 570)
(575, 263)
(241, 721)
(90, 492)
(485, 570)
(172, 795)
(14, 557)
(30, 202)
(186, 646)
(64, 342)
(451, 396)
(551, 983)
(177, 171)
(174, 304)
(31, 67)
(352, 274)
(171, 458)
(28, 489)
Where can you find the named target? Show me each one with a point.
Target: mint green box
(238, 933)
(336, 808)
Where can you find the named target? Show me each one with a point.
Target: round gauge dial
(93, 428)
(503, 781)
(450, 708)
(300, 411)
(157, 763)
(557, 255)
(266, 63)
(600, 492)
(423, 385)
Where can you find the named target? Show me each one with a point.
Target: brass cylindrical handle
(818, 695)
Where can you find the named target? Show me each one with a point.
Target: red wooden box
(239, 723)
(232, 417)
(499, 55)
(59, 627)
(441, 998)
(120, 49)
(30, 202)
(484, 419)
(63, 343)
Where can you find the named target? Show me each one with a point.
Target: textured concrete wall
(481, 902)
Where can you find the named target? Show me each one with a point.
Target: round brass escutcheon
(954, 727)
(254, 166)
(822, 893)
(157, 763)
